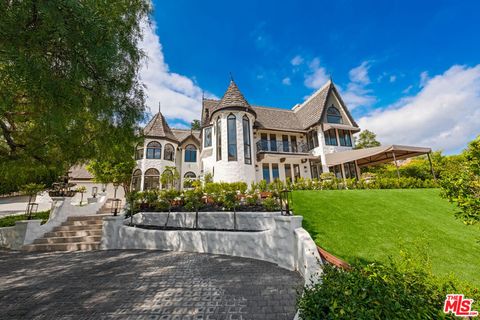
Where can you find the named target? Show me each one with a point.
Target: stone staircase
(77, 233)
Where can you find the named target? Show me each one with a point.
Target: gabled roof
(158, 128)
(184, 134)
(301, 118)
(233, 99)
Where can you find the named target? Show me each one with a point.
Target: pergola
(376, 155)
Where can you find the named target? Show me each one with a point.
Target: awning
(375, 155)
(327, 126)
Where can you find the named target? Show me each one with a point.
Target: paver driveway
(143, 285)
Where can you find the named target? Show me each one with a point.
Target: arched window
(188, 178)
(151, 179)
(136, 180)
(247, 149)
(218, 130)
(333, 115)
(190, 153)
(167, 179)
(139, 151)
(169, 152)
(232, 137)
(154, 150)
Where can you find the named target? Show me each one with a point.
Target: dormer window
(333, 115)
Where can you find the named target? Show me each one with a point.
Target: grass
(373, 225)
(9, 221)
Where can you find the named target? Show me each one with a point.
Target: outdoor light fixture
(285, 201)
(104, 187)
(115, 186)
(94, 192)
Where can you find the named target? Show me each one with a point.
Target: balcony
(276, 146)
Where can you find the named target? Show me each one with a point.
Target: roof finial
(203, 95)
(331, 79)
(159, 107)
(231, 77)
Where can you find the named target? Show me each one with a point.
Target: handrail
(281, 146)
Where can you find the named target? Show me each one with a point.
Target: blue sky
(401, 66)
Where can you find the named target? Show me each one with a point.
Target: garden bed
(10, 221)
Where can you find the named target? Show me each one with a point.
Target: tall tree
(196, 125)
(366, 139)
(69, 86)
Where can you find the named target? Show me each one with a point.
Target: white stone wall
(185, 167)
(258, 221)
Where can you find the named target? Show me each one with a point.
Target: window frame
(150, 180)
(189, 152)
(167, 152)
(155, 152)
(330, 135)
(266, 168)
(232, 151)
(247, 143)
(218, 129)
(207, 133)
(334, 115)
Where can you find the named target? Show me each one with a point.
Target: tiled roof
(233, 98)
(311, 110)
(182, 134)
(276, 118)
(158, 128)
(79, 172)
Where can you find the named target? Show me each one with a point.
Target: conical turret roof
(233, 99)
(158, 128)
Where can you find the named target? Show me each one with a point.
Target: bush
(9, 221)
(398, 290)
(271, 204)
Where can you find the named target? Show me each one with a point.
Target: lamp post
(285, 198)
(115, 206)
(94, 192)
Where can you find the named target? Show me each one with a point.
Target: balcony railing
(281, 146)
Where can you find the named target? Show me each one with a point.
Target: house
(243, 142)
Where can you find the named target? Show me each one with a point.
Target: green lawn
(9, 221)
(370, 225)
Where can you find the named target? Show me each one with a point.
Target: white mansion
(243, 142)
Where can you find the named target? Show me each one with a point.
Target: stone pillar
(110, 230)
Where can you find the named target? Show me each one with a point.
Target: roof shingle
(158, 128)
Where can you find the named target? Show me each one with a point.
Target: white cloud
(360, 74)
(287, 81)
(407, 89)
(297, 60)
(423, 79)
(392, 78)
(317, 75)
(357, 94)
(445, 114)
(180, 97)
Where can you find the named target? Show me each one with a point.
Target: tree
(461, 183)
(169, 176)
(196, 125)
(31, 190)
(366, 139)
(68, 81)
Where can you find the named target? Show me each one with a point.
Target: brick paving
(143, 285)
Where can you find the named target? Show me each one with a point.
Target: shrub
(9, 221)
(270, 204)
(398, 290)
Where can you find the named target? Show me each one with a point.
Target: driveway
(16, 205)
(143, 285)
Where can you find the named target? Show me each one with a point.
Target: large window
(294, 143)
(337, 171)
(350, 170)
(266, 172)
(154, 150)
(189, 177)
(207, 138)
(152, 179)
(136, 180)
(288, 172)
(264, 141)
(275, 173)
(190, 153)
(247, 148)
(273, 142)
(169, 152)
(232, 137)
(312, 139)
(333, 115)
(345, 138)
(296, 171)
(219, 139)
(139, 152)
(285, 147)
(331, 137)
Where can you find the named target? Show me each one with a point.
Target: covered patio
(373, 156)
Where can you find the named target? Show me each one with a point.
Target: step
(80, 233)
(78, 228)
(61, 247)
(85, 239)
(82, 222)
(85, 218)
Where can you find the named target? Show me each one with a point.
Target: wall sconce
(305, 168)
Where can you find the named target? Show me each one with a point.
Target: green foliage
(70, 86)
(193, 199)
(461, 183)
(32, 189)
(9, 221)
(366, 139)
(208, 177)
(271, 204)
(378, 291)
(195, 125)
(169, 176)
